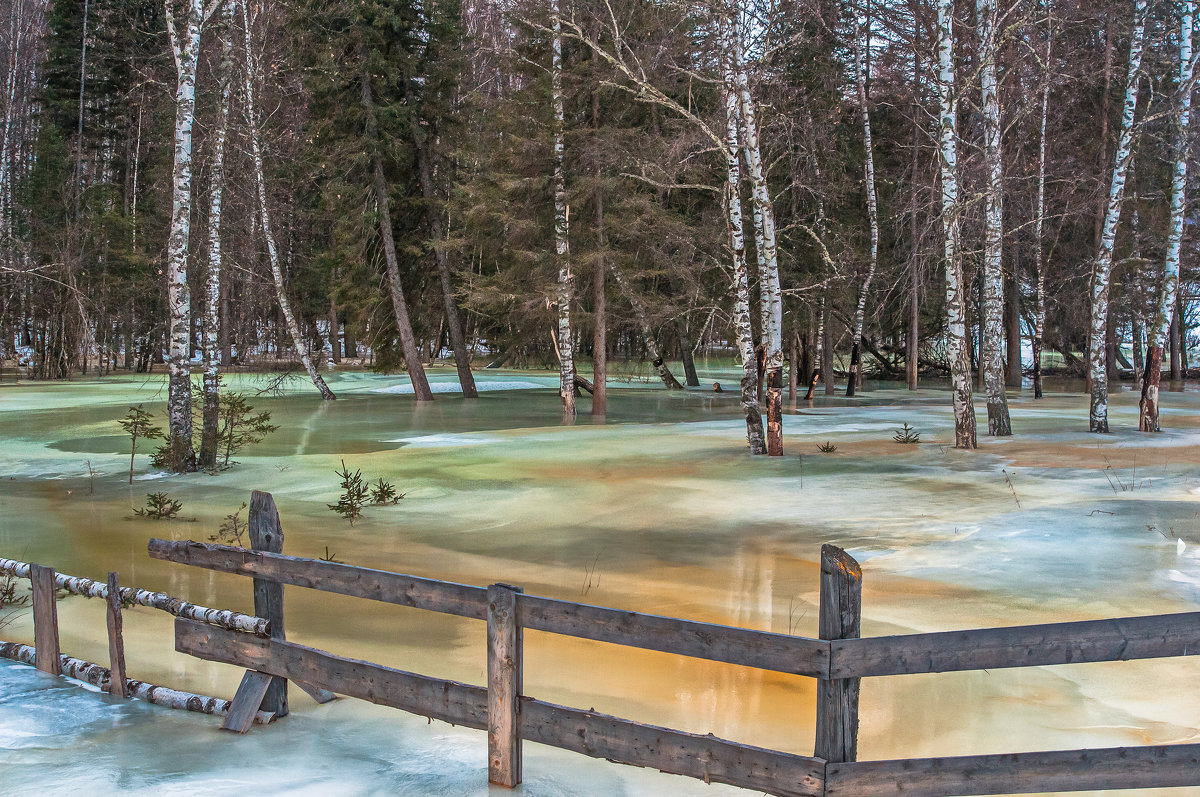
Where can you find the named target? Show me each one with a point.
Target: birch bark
(264, 217)
(1039, 226)
(212, 295)
(562, 246)
(1102, 271)
(764, 217)
(956, 308)
(992, 326)
(186, 50)
(861, 43)
(1160, 324)
(737, 244)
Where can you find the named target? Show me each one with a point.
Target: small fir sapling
(159, 506)
(354, 494)
(907, 435)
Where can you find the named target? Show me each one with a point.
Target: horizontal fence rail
(839, 659)
(1121, 639)
(779, 652)
(590, 733)
(1158, 767)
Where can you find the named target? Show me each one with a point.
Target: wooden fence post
(266, 534)
(505, 672)
(45, 619)
(840, 618)
(116, 642)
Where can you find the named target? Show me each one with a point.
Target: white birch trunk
(1160, 324)
(260, 178)
(212, 294)
(737, 244)
(562, 246)
(186, 49)
(1039, 225)
(992, 327)
(1098, 416)
(956, 307)
(861, 43)
(764, 219)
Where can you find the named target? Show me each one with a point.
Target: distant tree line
(900, 187)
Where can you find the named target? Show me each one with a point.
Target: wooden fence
(838, 659)
(45, 654)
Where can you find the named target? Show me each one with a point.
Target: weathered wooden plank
(505, 671)
(450, 701)
(319, 695)
(1019, 773)
(762, 649)
(707, 758)
(87, 588)
(246, 700)
(840, 618)
(266, 535)
(116, 638)
(1118, 639)
(45, 619)
(360, 582)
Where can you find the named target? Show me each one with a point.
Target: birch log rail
(839, 659)
(87, 588)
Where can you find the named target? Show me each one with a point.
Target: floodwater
(658, 510)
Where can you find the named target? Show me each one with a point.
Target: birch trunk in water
(1161, 322)
(408, 341)
(264, 216)
(737, 245)
(1039, 225)
(861, 43)
(212, 293)
(764, 217)
(186, 50)
(1098, 416)
(992, 327)
(562, 246)
(639, 311)
(956, 307)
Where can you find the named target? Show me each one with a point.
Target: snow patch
(158, 474)
(444, 440)
(455, 387)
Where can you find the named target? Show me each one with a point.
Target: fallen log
(132, 596)
(99, 676)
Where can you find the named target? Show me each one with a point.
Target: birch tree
(185, 47)
(212, 294)
(956, 308)
(250, 74)
(1160, 323)
(992, 326)
(764, 217)
(1039, 223)
(1102, 270)
(861, 47)
(743, 329)
(562, 246)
